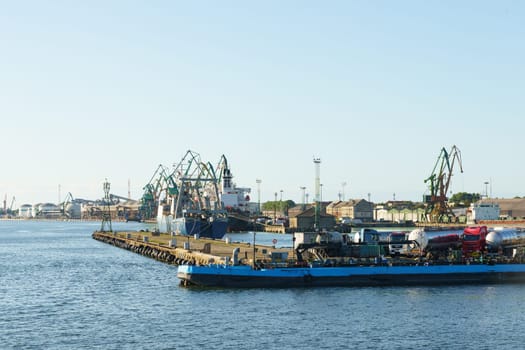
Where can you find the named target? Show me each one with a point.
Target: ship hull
(351, 276)
(203, 228)
(218, 228)
(241, 223)
(187, 226)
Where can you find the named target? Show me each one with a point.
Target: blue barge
(244, 276)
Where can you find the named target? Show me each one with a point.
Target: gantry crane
(159, 182)
(437, 209)
(191, 184)
(197, 186)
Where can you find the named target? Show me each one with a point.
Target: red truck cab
(473, 240)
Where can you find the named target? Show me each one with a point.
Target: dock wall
(169, 255)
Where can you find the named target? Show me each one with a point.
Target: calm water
(60, 289)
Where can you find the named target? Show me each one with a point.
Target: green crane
(437, 209)
(161, 181)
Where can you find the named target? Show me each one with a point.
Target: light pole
(258, 196)
(343, 185)
(303, 189)
(254, 249)
(281, 203)
(317, 218)
(486, 189)
(275, 208)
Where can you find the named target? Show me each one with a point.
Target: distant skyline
(111, 89)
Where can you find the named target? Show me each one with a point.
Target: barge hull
(243, 277)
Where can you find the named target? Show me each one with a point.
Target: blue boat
(327, 259)
(244, 276)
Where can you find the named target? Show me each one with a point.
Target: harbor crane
(12, 204)
(191, 185)
(437, 209)
(160, 185)
(197, 186)
(8, 210)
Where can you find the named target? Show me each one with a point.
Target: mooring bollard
(145, 239)
(128, 236)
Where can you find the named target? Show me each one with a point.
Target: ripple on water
(63, 290)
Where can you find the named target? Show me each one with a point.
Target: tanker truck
(397, 243)
(425, 241)
(370, 236)
(505, 240)
(473, 240)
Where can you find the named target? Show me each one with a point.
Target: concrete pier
(185, 249)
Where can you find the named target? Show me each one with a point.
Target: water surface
(60, 289)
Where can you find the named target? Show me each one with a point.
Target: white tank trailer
(505, 238)
(369, 235)
(428, 240)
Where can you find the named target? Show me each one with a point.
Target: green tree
(270, 205)
(278, 205)
(464, 198)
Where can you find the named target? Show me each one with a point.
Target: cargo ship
(189, 202)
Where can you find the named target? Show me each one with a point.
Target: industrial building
(305, 219)
(510, 209)
(353, 209)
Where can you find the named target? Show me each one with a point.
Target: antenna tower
(106, 214)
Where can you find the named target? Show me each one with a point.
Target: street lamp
(486, 189)
(281, 203)
(275, 208)
(303, 189)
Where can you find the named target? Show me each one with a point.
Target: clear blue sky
(111, 89)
